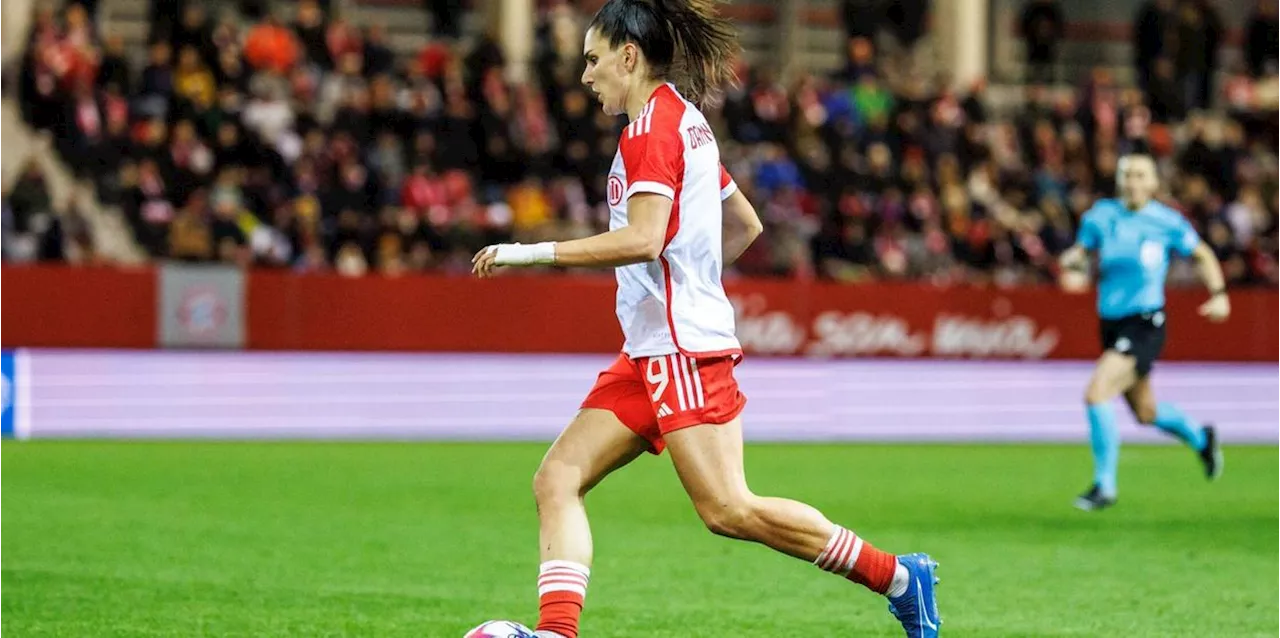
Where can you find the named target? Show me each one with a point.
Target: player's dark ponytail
(685, 41)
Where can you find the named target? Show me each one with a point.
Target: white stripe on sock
(842, 559)
(829, 556)
(841, 553)
(563, 575)
(578, 567)
(853, 556)
(834, 548)
(826, 554)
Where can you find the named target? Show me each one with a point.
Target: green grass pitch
(423, 540)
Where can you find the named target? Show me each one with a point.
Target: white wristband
(524, 254)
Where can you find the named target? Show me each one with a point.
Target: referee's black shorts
(1140, 336)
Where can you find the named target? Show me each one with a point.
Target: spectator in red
(271, 46)
(434, 59)
(75, 57)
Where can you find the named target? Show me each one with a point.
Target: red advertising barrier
(529, 313)
(506, 314)
(74, 307)
(1033, 323)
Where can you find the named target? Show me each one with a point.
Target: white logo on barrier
(6, 388)
(765, 331)
(1016, 336)
(202, 311)
(863, 333)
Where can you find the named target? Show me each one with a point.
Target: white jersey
(675, 303)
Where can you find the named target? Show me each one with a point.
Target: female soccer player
(1133, 237)
(675, 217)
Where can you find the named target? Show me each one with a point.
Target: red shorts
(656, 395)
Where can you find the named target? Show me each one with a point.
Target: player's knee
(731, 518)
(1145, 414)
(1093, 395)
(556, 481)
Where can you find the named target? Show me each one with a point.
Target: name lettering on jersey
(643, 122)
(699, 135)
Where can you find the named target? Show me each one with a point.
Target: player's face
(1138, 182)
(606, 72)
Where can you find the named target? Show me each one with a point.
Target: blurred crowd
(305, 143)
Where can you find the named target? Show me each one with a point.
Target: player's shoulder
(669, 105)
(659, 119)
(1166, 213)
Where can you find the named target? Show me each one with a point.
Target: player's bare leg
(1201, 438)
(1113, 374)
(594, 444)
(708, 460)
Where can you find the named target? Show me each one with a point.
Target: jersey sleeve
(1090, 234)
(1183, 238)
(727, 185)
(653, 156)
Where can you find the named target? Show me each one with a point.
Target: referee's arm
(1075, 258)
(1218, 308)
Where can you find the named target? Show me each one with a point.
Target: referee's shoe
(1211, 453)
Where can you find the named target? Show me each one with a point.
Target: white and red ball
(500, 629)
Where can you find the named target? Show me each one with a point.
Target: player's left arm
(652, 155)
(640, 241)
(1187, 243)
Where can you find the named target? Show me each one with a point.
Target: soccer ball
(500, 629)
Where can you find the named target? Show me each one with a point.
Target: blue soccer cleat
(917, 609)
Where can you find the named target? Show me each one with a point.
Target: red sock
(562, 589)
(849, 556)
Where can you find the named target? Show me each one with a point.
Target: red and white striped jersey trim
(563, 575)
(841, 553)
(643, 122)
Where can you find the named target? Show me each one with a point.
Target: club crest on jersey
(616, 190)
